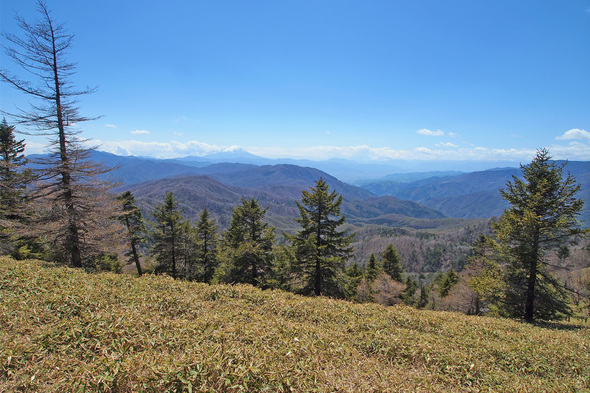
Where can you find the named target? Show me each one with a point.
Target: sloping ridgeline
(277, 187)
(469, 195)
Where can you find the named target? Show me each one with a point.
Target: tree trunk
(529, 307)
(136, 257)
(173, 259)
(318, 277)
(73, 238)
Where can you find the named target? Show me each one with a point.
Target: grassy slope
(63, 329)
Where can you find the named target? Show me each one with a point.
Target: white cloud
(170, 149)
(453, 134)
(575, 133)
(575, 150)
(110, 125)
(32, 147)
(425, 131)
(139, 132)
(446, 144)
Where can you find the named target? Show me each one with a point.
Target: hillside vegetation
(466, 195)
(65, 330)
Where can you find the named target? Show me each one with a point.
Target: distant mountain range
(468, 195)
(395, 199)
(345, 170)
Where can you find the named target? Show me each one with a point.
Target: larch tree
(131, 217)
(321, 250)
(543, 216)
(247, 246)
(75, 204)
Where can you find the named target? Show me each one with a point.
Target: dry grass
(65, 330)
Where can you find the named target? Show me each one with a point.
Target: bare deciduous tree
(75, 199)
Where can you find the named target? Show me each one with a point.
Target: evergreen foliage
(132, 218)
(373, 269)
(410, 291)
(392, 263)
(13, 177)
(447, 282)
(542, 217)
(14, 180)
(207, 241)
(486, 277)
(247, 246)
(167, 235)
(320, 249)
(354, 274)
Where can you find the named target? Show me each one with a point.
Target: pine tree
(321, 250)
(248, 246)
(132, 218)
(207, 242)
(167, 235)
(542, 216)
(392, 263)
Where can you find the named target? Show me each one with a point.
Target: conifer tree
(354, 274)
(486, 277)
(410, 291)
(248, 246)
(320, 249)
(392, 263)
(132, 218)
(14, 180)
(373, 269)
(543, 216)
(168, 235)
(447, 282)
(206, 242)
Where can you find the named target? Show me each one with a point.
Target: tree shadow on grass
(567, 326)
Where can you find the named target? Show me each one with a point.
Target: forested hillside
(467, 195)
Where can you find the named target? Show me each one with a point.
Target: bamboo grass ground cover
(63, 330)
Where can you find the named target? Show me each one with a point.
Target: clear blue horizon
(370, 81)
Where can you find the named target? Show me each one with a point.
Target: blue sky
(366, 80)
